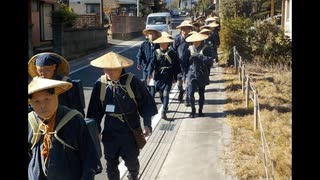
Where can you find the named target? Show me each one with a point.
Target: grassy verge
(275, 100)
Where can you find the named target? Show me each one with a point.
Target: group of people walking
(62, 140)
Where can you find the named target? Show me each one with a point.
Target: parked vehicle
(159, 21)
(174, 12)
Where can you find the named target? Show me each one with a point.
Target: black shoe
(192, 115)
(187, 103)
(164, 116)
(180, 97)
(201, 114)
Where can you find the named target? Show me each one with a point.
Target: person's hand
(139, 67)
(147, 131)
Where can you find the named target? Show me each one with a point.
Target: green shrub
(269, 46)
(235, 32)
(66, 15)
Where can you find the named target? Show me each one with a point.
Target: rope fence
(251, 93)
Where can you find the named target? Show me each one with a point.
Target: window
(93, 8)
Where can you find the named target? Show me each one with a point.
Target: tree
(109, 6)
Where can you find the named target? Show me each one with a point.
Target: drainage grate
(167, 127)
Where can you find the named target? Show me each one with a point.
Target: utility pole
(272, 8)
(101, 12)
(137, 8)
(282, 15)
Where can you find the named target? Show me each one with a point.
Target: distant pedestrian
(180, 46)
(121, 99)
(166, 66)
(145, 54)
(197, 76)
(61, 147)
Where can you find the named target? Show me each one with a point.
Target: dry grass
(274, 92)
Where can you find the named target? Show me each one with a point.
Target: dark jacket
(66, 163)
(198, 70)
(164, 70)
(123, 104)
(180, 46)
(145, 53)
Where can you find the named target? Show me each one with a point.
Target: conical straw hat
(112, 60)
(210, 19)
(146, 32)
(205, 31)
(185, 23)
(163, 39)
(63, 68)
(196, 37)
(39, 84)
(164, 33)
(205, 27)
(191, 32)
(213, 25)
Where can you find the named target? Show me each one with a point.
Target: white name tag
(110, 108)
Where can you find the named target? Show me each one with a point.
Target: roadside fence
(251, 93)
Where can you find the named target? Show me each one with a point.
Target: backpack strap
(192, 49)
(103, 89)
(66, 118)
(36, 130)
(127, 86)
(159, 53)
(201, 51)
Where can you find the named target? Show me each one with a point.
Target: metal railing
(251, 93)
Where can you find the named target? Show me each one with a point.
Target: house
(89, 12)
(40, 25)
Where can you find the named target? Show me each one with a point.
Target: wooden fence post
(235, 59)
(247, 91)
(255, 110)
(239, 67)
(243, 76)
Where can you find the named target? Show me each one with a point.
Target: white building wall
(288, 18)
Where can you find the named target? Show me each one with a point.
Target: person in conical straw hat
(164, 68)
(215, 39)
(53, 66)
(198, 76)
(144, 55)
(180, 46)
(48, 65)
(121, 99)
(58, 135)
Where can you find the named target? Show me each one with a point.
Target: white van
(159, 21)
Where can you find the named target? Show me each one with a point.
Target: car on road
(159, 21)
(174, 12)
